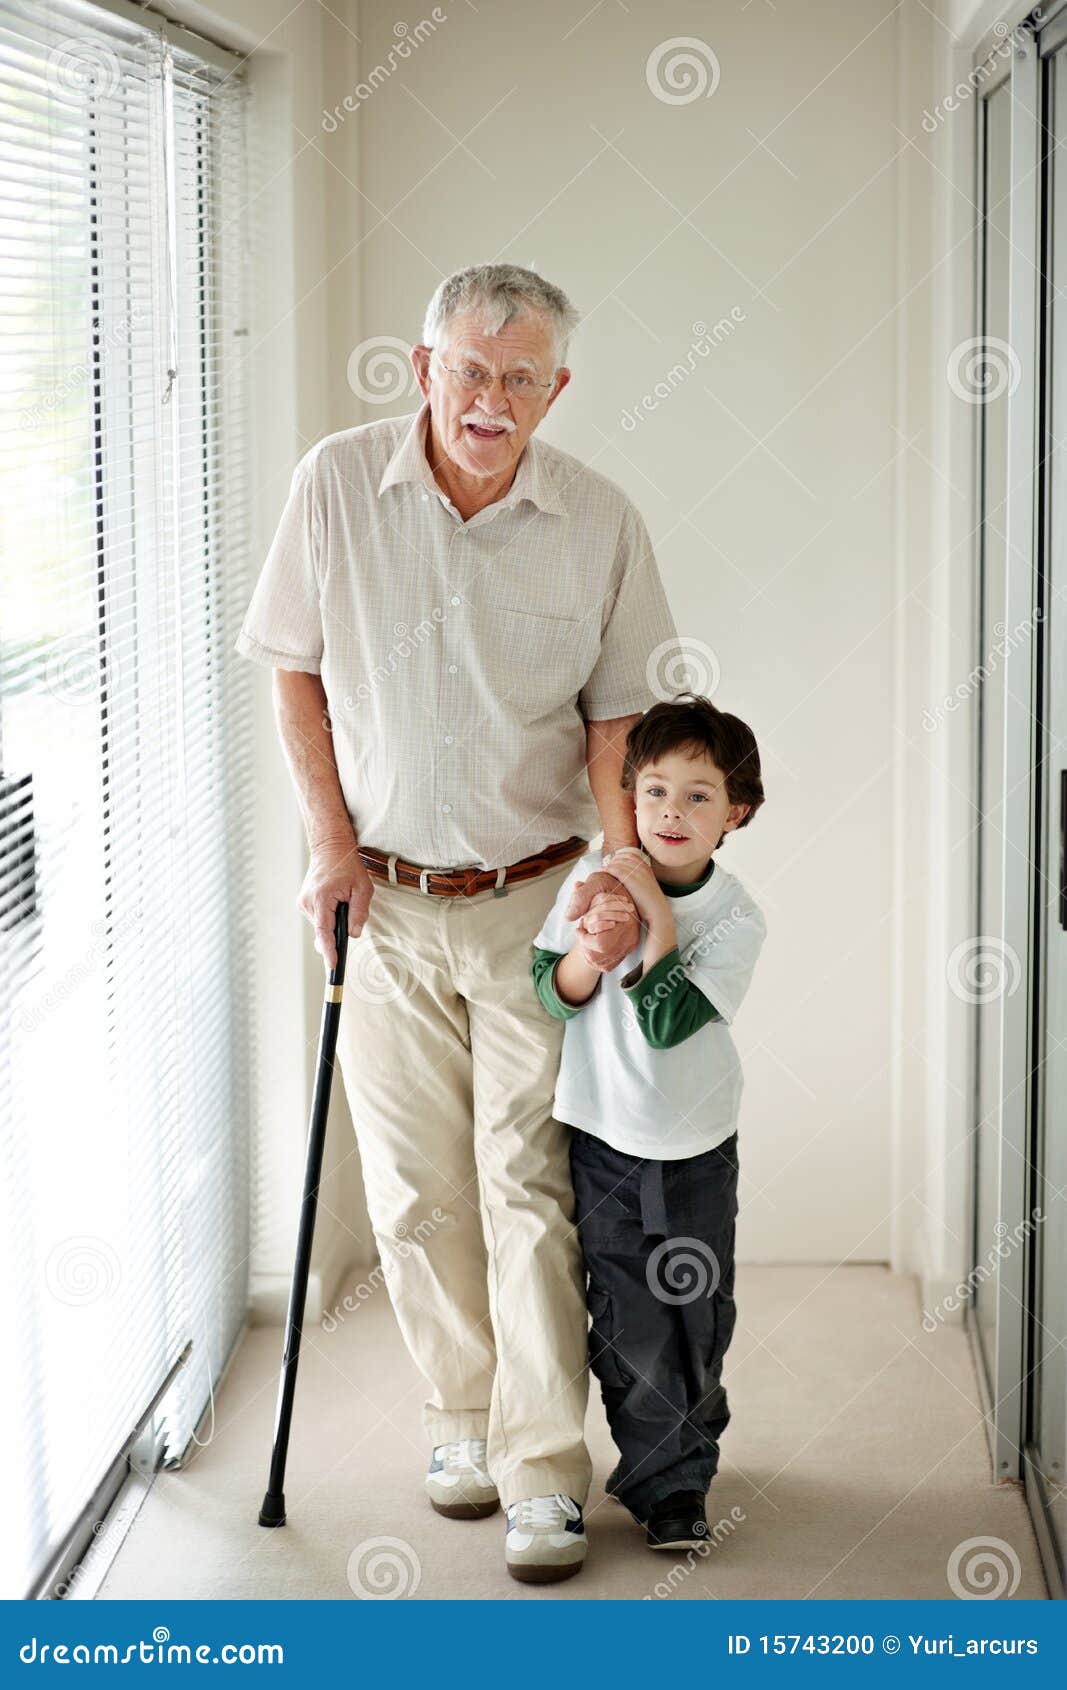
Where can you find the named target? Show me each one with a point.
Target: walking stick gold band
(333, 994)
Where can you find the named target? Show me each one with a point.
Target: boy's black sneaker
(677, 1521)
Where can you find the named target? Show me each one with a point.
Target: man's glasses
(517, 383)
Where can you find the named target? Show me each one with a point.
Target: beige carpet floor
(855, 1466)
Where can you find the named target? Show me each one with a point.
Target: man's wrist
(628, 850)
(339, 839)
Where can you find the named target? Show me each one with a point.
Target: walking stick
(272, 1512)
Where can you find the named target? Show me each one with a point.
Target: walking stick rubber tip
(272, 1512)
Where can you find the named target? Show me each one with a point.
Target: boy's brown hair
(689, 722)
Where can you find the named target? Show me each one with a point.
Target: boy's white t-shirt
(663, 1104)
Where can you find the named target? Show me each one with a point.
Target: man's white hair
(497, 293)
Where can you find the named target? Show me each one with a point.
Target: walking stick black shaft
(272, 1512)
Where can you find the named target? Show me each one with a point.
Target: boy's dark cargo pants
(658, 1242)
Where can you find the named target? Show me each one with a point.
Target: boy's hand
(638, 879)
(603, 950)
(584, 891)
(607, 910)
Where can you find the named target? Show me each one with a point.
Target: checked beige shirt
(460, 660)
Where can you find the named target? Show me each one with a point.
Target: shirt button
(447, 808)
(452, 669)
(425, 497)
(455, 599)
(448, 739)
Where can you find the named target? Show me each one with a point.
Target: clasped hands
(609, 907)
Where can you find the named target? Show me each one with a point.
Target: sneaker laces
(546, 1510)
(467, 1453)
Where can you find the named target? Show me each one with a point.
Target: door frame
(1000, 1374)
(1050, 798)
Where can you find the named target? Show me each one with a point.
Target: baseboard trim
(935, 1291)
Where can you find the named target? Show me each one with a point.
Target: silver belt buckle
(452, 869)
(499, 890)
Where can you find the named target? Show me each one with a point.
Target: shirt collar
(690, 885)
(532, 479)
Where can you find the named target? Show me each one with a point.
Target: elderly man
(461, 621)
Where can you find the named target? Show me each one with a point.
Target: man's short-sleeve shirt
(460, 660)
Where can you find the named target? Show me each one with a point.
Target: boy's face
(682, 811)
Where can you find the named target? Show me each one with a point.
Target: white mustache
(482, 421)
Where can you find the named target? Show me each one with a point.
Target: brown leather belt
(465, 882)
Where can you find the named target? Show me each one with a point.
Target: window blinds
(125, 753)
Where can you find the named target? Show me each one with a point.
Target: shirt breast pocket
(536, 664)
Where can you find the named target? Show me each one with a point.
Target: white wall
(807, 486)
(765, 477)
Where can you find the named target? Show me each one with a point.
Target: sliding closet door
(1018, 1305)
(1018, 1313)
(1000, 984)
(1046, 1465)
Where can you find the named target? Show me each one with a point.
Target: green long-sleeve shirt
(667, 1005)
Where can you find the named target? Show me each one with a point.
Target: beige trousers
(449, 1062)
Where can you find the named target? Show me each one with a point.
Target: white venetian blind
(125, 726)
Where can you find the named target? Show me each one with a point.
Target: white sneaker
(458, 1484)
(545, 1539)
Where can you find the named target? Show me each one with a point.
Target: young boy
(650, 1081)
